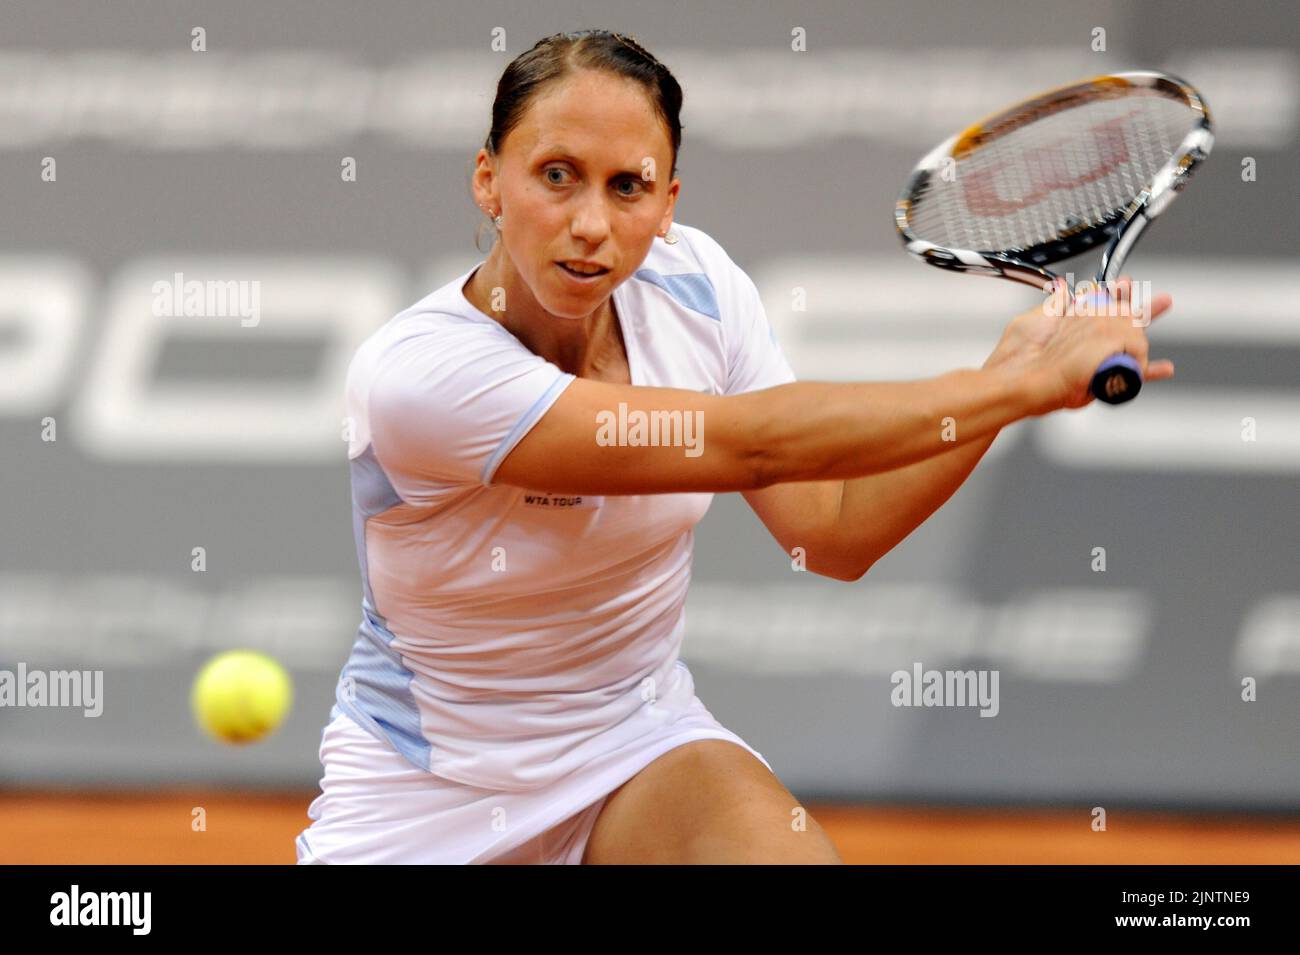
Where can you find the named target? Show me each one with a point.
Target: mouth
(582, 277)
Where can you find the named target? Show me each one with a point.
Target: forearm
(879, 511)
(810, 431)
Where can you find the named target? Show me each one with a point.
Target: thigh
(707, 801)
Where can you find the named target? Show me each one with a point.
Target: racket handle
(1118, 379)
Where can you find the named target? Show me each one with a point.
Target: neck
(579, 346)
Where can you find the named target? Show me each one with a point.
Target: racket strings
(1073, 169)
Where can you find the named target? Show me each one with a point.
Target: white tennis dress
(517, 658)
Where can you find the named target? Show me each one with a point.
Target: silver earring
(499, 221)
(670, 238)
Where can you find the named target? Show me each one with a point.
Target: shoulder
(697, 271)
(694, 251)
(435, 350)
(444, 310)
(443, 322)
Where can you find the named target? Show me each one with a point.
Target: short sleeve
(754, 357)
(447, 403)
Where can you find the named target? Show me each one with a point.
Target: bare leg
(708, 801)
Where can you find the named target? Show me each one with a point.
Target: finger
(1121, 289)
(1138, 346)
(1087, 298)
(1160, 370)
(1158, 306)
(1144, 315)
(1107, 292)
(1058, 301)
(1061, 298)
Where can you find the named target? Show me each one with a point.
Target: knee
(763, 839)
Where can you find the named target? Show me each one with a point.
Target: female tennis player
(534, 443)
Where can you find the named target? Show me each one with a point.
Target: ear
(667, 221)
(484, 182)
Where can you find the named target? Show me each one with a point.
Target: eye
(550, 169)
(640, 187)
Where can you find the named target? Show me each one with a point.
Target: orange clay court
(258, 828)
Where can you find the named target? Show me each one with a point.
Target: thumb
(1059, 300)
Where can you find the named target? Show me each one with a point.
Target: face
(579, 179)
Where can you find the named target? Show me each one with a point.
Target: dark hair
(558, 55)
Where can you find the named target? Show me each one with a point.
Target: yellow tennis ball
(241, 695)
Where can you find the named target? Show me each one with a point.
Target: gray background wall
(1119, 686)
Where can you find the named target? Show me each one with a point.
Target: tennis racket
(1054, 176)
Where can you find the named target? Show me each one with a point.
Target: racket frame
(1119, 377)
(1118, 233)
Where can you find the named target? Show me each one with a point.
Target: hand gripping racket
(1054, 176)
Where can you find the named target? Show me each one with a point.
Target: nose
(590, 222)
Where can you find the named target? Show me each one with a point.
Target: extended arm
(844, 527)
(798, 432)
